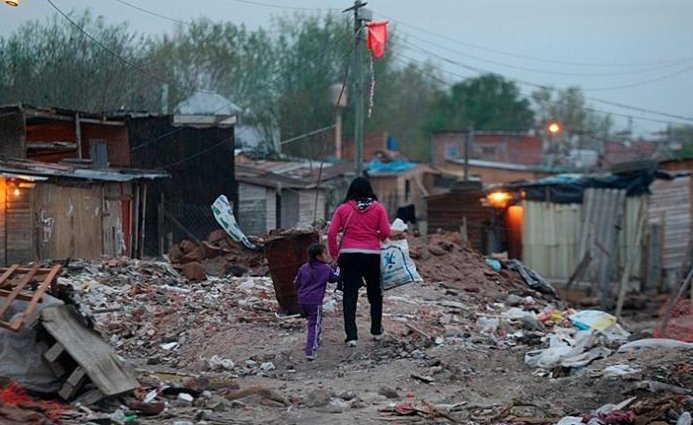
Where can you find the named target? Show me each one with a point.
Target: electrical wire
(149, 12)
(594, 110)
(110, 51)
(211, 148)
(278, 6)
(529, 69)
(272, 81)
(533, 58)
(540, 86)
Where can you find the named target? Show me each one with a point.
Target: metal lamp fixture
(13, 3)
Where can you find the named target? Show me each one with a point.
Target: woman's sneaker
(379, 337)
(351, 343)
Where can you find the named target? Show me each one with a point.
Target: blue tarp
(393, 166)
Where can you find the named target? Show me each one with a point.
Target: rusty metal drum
(285, 254)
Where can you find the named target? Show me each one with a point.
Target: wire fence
(178, 222)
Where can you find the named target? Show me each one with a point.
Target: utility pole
(360, 16)
(468, 143)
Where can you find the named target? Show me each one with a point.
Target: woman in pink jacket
(363, 224)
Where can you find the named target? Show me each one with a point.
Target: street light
(554, 128)
(13, 3)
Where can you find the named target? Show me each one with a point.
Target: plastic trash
(487, 324)
(592, 320)
(571, 420)
(493, 263)
(655, 343)
(620, 370)
(223, 213)
(684, 419)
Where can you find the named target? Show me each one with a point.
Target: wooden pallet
(16, 284)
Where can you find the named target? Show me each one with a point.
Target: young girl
(311, 282)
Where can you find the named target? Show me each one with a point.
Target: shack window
(98, 152)
(452, 151)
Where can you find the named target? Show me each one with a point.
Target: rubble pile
(445, 257)
(219, 256)
(474, 343)
(158, 315)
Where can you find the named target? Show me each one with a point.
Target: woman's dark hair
(315, 250)
(360, 188)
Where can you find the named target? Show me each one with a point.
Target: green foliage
(581, 127)
(488, 102)
(54, 64)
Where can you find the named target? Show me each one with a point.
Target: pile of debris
(219, 256)
(446, 258)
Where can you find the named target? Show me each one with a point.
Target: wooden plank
(7, 273)
(51, 356)
(15, 291)
(74, 382)
(17, 323)
(89, 350)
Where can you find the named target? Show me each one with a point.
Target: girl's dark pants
(356, 267)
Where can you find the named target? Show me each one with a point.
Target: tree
(581, 128)
(403, 95)
(488, 102)
(54, 63)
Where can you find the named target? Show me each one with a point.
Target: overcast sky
(634, 52)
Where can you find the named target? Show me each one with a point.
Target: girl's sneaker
(310, 357)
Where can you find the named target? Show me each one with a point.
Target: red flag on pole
(377, 37)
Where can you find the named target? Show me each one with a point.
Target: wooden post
(78, 136)
(642, 216)
(135, 219)
(160, 225)
(140, 252)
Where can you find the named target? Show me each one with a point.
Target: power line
(523, 68)
(540, 86)
(594, 110)
(272, 81)
(149, 12)
(278, 6)
(151, 75)
(104, 47)
(534, 58)
(642, 83)
(635, 108)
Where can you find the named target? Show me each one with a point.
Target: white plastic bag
(397, 267)
(223, 213)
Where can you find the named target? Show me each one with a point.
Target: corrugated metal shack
(567, 218)
(280, 194)
(54, 211)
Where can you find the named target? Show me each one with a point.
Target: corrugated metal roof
(30, 170)
(207, 103)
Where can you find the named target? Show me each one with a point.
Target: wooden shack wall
(71, 220)
(20, 230)
(12, 132)
(201, 163)
(670, 207)
(3, 220)
(448, 212)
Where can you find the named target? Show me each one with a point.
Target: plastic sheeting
(570, 188)
(21, 356)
